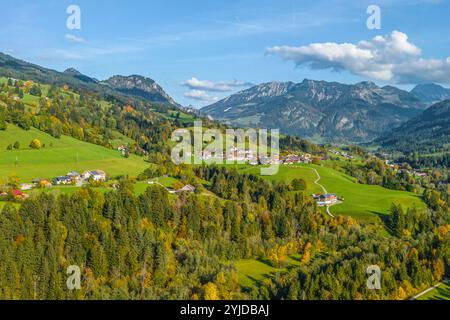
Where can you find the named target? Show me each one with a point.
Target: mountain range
(320, 110)
(123, 88)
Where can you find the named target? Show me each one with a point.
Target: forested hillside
(151, 247)
(425, 139)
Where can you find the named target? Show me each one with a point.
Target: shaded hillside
(427, 133)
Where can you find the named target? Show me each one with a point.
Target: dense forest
(154, 247)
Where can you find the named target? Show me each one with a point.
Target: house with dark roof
(62, 180)
(326, 199)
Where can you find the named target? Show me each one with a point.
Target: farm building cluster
(71, 178)
(325, 199)
(125, 150)
(341, 153)
(74, 178)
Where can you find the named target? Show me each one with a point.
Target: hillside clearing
(59, 156)
(364, 202)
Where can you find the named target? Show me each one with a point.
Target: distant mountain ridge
(431, 93)
(119, 87)
(321, 110)
(426, 133)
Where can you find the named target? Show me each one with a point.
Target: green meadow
(440, 293)
(59, 156)
(141, 186)
(253, 271)
(364, 202)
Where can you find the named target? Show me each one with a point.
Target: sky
(201, 51)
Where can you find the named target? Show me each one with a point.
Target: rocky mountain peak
(140, 86)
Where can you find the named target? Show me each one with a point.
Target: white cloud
(200, 95)
(74, 38)
(86, 52)
(386, 58)
(206, 85)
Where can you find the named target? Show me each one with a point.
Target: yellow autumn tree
(210, 291)
(438, 269)
(306, 253)
(35, 144)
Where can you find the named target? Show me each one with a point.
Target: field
(141, 186)
(59, 156)
(252, 271)
(364, 202)
(440, 293)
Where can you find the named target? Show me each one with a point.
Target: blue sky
(203, 50)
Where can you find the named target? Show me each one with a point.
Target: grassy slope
(59, 156)
(141, 186)
(252, 271)
(364, 202)
(440, 293)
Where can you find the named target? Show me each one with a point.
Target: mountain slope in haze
(140, 86)
(321, 110)
(125, 89)
(78, 75)
(431, 93)
(426, 133)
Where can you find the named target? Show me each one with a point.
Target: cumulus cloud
(200, 95)
(206, 85)
(390, 58)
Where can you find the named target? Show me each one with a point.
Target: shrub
(316, 161)
(35, 144)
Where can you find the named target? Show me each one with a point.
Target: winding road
(323, 189)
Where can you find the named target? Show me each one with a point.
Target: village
(400, 167)
(235, 154)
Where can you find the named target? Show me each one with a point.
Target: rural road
(426, 291)
(323, 189)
